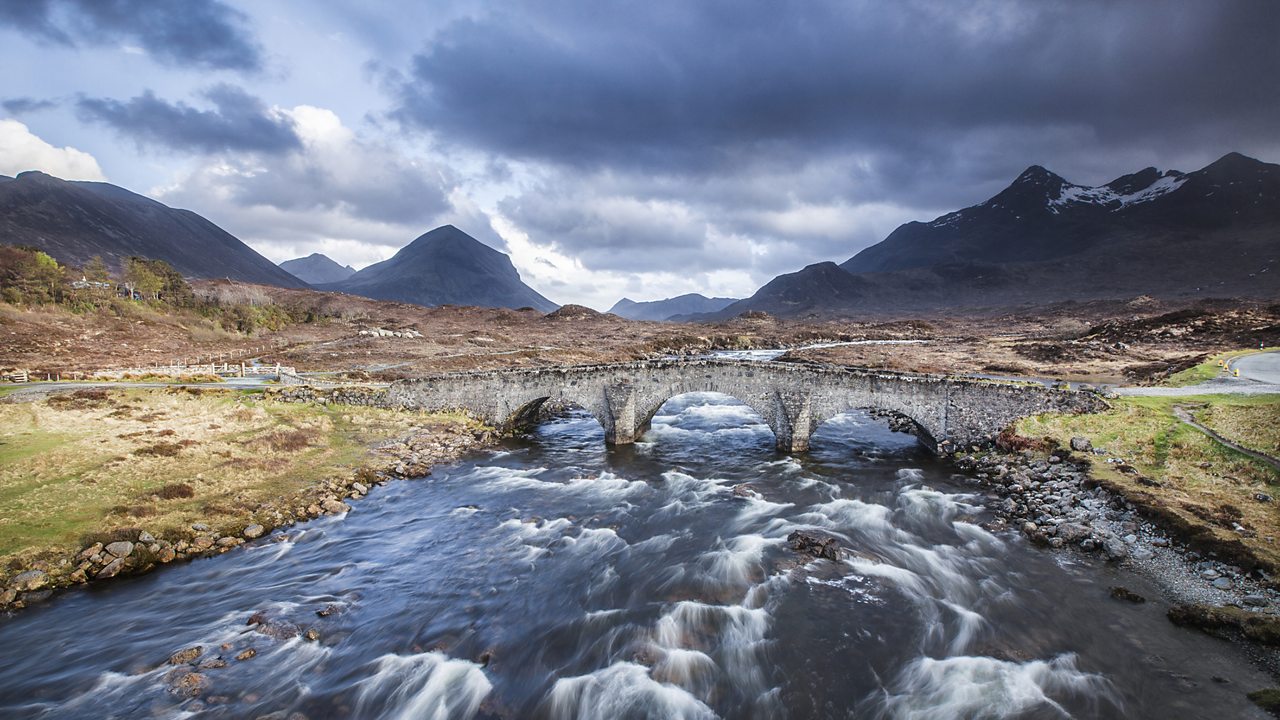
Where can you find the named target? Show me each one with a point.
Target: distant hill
(317, 269)
(445, 267)
(74, 221)
(667, 309)
(1214, 232)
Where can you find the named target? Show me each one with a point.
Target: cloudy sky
(644, 149)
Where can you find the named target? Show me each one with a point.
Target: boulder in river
(254, 531)
(182, 657)
(1124, 593)
(815, 545)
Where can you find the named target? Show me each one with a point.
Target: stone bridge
(794, 399)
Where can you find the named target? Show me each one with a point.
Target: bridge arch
(897, 421)
(651, 410)
(520, 412)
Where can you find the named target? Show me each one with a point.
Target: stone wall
(344, 395)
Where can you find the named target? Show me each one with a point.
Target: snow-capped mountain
(1214, 232)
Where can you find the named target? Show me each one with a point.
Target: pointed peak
(1038, 175)
(1234, 161)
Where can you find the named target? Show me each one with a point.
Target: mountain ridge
(668, 308)
(1043, 239)
(74, 221)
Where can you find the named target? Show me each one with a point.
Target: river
(556, 578)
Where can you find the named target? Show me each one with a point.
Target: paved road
(39, 389)
(1263, 367)
(1259, 375)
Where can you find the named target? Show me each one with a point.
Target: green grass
(72, 467)
(1199, 475)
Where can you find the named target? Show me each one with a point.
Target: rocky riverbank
(1050, 496)
(136, 550)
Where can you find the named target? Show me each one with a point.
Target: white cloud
(22, 150)
(349, 196)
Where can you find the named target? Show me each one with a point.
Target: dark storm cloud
(751, 118)
(199, 33)
(239, 121)
(19, 106)
(700, 87)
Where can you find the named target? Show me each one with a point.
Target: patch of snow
(1103, 195)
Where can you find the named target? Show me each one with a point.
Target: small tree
(48, 275)
(96, 270)
(139, 278)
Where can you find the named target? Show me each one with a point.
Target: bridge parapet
(793, 398)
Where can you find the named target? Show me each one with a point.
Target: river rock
(189, 684)
(335, 506)
(182, 657)
(89, 552)
(111, 569)
(200, 527)
(359, 487)
(744, 490)
(29, 580)
(145, 537)
(247, 654)
(121, 549)
(815, 546)
(1081, 444)
(254, 531)
(1254, 600)
(1124, 593)
(1223, 583)
(1115, 548)
(1072, 532)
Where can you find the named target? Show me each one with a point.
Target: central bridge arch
(792, 398)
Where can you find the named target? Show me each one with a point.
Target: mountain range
(74, 221)
(445, 267)
(689, 304)
(1214, 232)
(316, 269)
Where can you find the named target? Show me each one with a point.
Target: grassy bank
(1200, 487)
(76, 467)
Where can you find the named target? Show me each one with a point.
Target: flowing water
(556, 578)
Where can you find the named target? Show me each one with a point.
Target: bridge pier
(621, 427)
(794, 421)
